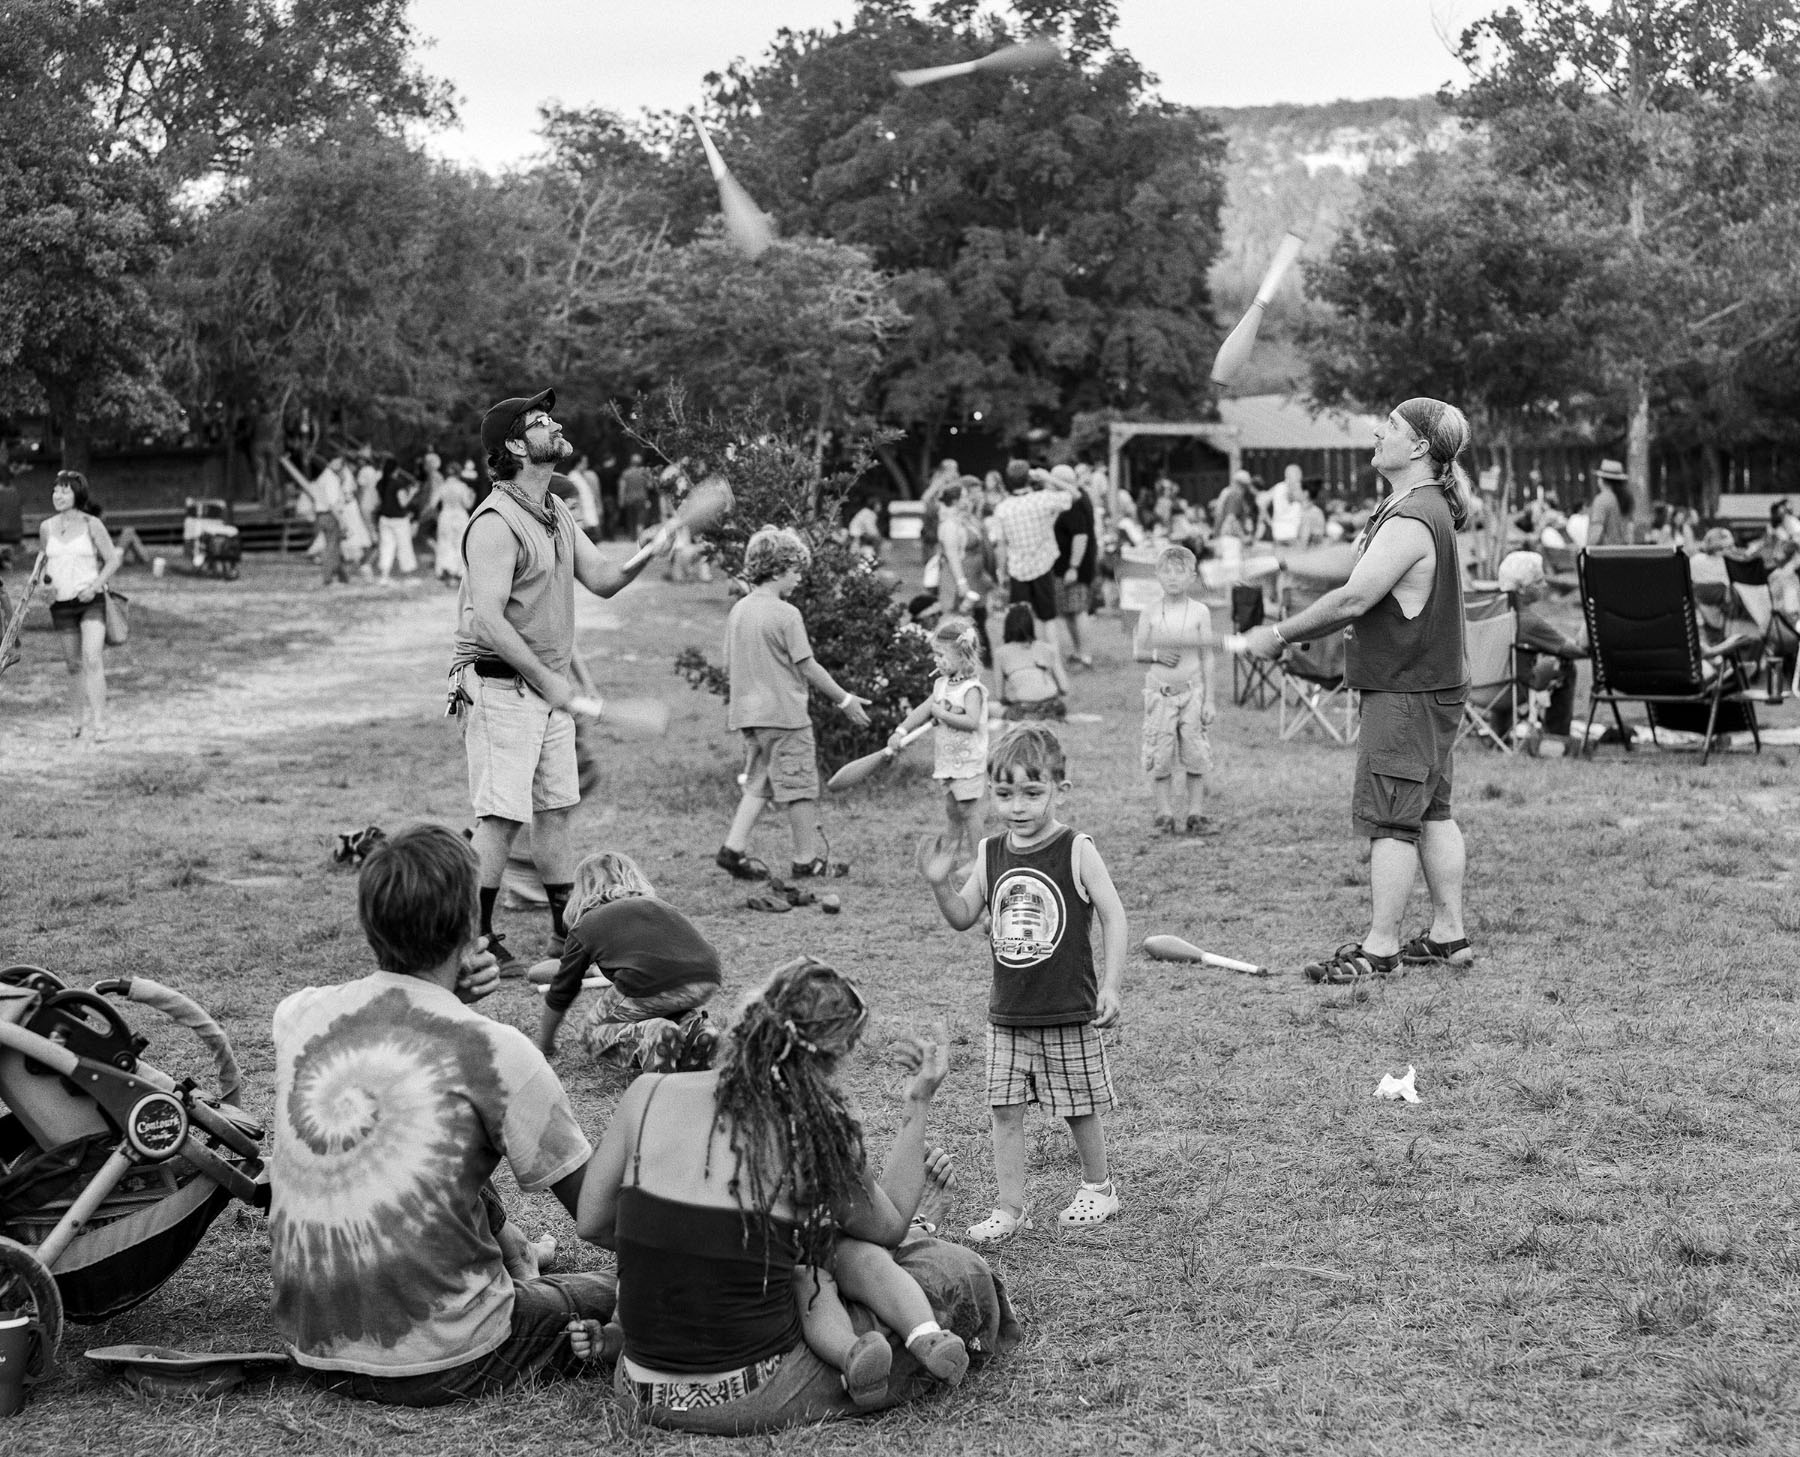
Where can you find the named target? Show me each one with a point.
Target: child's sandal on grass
(794, 895)
(1001, 1225)
(866, 1370)
(1092, 1205)
(1423, 951)
(943, 1354)
(1350, 963)
(765, 901)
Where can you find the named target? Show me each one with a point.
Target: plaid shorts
(1063, 1069)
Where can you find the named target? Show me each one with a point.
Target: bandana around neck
(544, 511)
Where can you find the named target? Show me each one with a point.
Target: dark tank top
(1039, 934)
(702, 1290)
(1388, 652)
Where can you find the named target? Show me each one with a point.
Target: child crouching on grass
(958, 703)
(1042, 885)
(663, 972)
(1174, 636)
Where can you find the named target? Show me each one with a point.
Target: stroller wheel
(27, 1287)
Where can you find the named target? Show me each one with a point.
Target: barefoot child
(1042, 885)
(1175, 638)
(771, 665)
(959, 704)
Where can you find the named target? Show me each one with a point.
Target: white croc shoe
(998, 1226)
(1091, 1206)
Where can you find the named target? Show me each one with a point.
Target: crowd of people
(378, 518)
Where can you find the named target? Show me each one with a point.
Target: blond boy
(1174, 636)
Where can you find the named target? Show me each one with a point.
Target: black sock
(488, 897)
(558, 896)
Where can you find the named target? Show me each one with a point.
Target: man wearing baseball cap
(515, 647)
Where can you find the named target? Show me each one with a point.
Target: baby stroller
(110, 1170)
(210, 538)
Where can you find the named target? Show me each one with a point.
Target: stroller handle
(189, 1013)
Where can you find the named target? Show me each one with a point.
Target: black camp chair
(1644, 639)
(1311, 678)
(1252, 678)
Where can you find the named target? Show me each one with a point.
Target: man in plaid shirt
(1023, 527)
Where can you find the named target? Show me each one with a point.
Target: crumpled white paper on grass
(1397, 1089)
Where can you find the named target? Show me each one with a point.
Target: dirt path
(282, 658)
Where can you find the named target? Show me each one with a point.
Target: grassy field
(1582, 1239)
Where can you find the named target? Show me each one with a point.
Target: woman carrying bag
(79, 560)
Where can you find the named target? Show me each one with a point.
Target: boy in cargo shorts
(771, 665)
(1174, 636)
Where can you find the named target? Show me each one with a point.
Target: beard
(552, 450)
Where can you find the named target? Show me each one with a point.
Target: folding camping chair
(1490, 626)
(1252, 678)
(1644, 640)
(1311, 681)
(1778, 652)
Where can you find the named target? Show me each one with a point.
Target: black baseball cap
(497, 424)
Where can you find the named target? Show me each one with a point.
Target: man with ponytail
(1402, 615)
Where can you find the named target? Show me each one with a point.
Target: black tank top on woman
(702, 1290)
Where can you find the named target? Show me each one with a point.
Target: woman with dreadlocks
(1403, 608)
(724, 1191)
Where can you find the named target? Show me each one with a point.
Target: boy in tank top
(1043, 886)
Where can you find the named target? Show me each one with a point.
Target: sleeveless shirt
(541, 604)
(1039, 934)
(961, 753)
(1388, 652)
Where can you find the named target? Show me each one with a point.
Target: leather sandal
(1423, 951)
(1350, 963)
(763, 901)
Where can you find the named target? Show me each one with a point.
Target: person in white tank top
(79, 560)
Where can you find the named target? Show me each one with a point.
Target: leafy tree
(352, 276)
(81, 237)
(1664, 115)
(638, 297)
(1049, 234)
(1459, 281)
(122, 108)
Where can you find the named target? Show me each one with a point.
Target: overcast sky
(506, 59)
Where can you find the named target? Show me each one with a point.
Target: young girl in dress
(958, 703)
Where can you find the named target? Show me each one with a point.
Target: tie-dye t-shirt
(394, 1103)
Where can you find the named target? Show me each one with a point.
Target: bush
(858, 632)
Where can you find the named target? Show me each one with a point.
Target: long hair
(608, 876)
(1445, 431)
(790, 1128)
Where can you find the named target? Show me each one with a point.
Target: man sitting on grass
(394, 1103)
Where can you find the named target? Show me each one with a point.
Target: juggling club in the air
(1235, 351)
(1025, 56)
(746, 224)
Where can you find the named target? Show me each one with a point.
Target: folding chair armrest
(1738, 642)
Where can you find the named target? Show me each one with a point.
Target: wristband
(1275, 628)
(846, 700)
